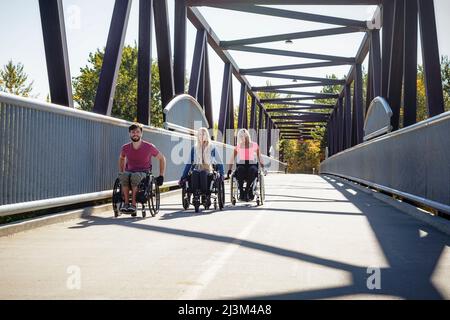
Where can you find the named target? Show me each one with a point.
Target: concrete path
(314, 238)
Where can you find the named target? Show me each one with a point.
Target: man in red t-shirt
(134, 162)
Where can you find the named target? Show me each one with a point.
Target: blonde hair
(244, 135)
(203, 155)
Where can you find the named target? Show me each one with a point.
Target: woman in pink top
(246, 166)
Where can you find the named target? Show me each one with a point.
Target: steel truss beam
(111, 60)
(56, 53)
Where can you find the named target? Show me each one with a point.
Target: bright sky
(87, 25)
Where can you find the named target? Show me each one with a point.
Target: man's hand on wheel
(160, 180)
(182, 181)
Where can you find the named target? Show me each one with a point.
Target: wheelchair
(257, 187)
(147, 196)
(197, 198)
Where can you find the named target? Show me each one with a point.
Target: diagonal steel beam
(431, 62)
(56, 52)
(164, 50)
(144, 62)
(179, 48)
(289, 36)
(297, 54)
(112, 58)
(199, 22)
(197, 63)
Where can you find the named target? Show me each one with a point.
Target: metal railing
(413, 162)
(52, 155)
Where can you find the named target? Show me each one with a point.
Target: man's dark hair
(135, 126)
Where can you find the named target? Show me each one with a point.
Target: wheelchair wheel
(207, 202)
(233, 190)
(186, 198)
(154, 199)
(117, 198)
(221, 195)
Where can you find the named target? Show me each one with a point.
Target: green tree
(14, 80)
(422, 112)
(319, 133)
(445, 73)
(125, 98)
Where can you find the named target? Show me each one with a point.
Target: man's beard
(135, 139)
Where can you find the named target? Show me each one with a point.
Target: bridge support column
(112, 58)
(333, 133)
(179, 63)
(144, 62)
(388, 19)
(340, 113)
(260, 122)
(225, 100)
(253, 114)
(348, 116)
(269, 135)
(242, 116)
(162, 33)
(197, 70)
(410, 64)
(431, 61)
(266, 140)
(207, 102)
(375, 63)
(55, 43)
(358, 111)
(396, 64)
